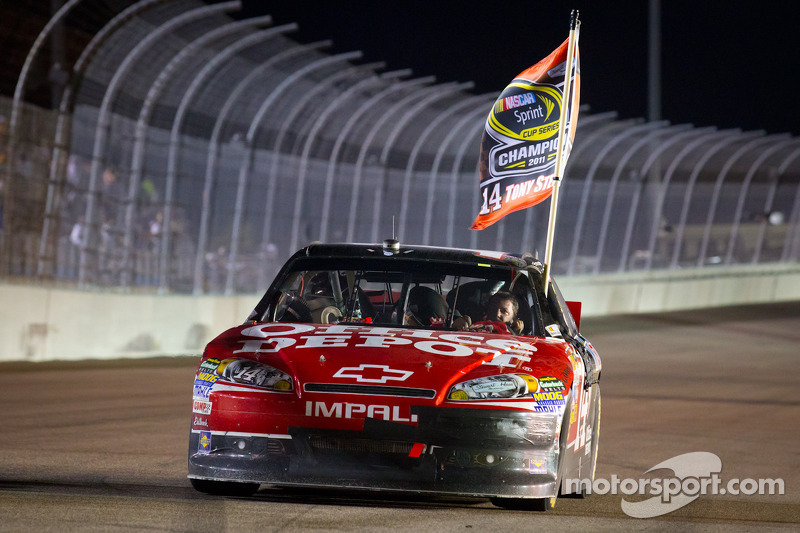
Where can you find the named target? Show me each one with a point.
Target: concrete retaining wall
(39, 323)
(672, 290)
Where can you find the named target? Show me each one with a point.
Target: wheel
(224, 488)
(596, 434)
(595, 440)
(575, 495)
(543, 504)
(525, 504)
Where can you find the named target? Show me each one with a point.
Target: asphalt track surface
(101, 446)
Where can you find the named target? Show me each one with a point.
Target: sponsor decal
(579, 418)
(349, 410)
(210, 364)
(566, 375)
(365, 373)
(549, 398)
(200, 421)
(547, 408)
(518, 100)
(550, 384)
(201, 407)
(207, 377)
(201, 390)
(203, 384)
(271, 338)
(535, 466)
(204, 445)
(554, 330)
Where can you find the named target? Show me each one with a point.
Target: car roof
(391, 248)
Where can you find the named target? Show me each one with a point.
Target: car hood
(365, 357)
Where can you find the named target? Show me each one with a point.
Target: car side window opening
(562, 312)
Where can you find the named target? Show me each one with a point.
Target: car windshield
(398, 293)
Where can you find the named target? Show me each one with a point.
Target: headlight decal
(493, 387)
(212, 371)
(249, 372)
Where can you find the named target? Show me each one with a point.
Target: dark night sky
(725, 63)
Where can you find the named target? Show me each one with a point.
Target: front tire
(224, 488)
(526, 504)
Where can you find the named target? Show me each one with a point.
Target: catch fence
(194, 152)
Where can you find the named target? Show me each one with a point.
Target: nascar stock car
(401, 368)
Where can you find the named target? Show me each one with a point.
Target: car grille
(275, 447)
(376, 390)
(359, 445)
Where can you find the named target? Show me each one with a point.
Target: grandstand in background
(178, 148)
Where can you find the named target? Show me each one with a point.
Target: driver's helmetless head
(502, 307)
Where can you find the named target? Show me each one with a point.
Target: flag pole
(574, 29)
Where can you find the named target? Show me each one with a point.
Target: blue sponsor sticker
(549, 398)
(535, 465)
(203, 384)
(205, 442)
(551, 402)
(201, 390)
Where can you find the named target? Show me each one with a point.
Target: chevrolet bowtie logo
(372, 373)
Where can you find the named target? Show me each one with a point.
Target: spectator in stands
(155, 226)
(216, 269)
(78, 234)
(111, 193)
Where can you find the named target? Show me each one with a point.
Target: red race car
(402, 368)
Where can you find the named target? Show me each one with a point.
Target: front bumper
(470, 452)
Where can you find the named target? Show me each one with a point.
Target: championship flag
(523, 134)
